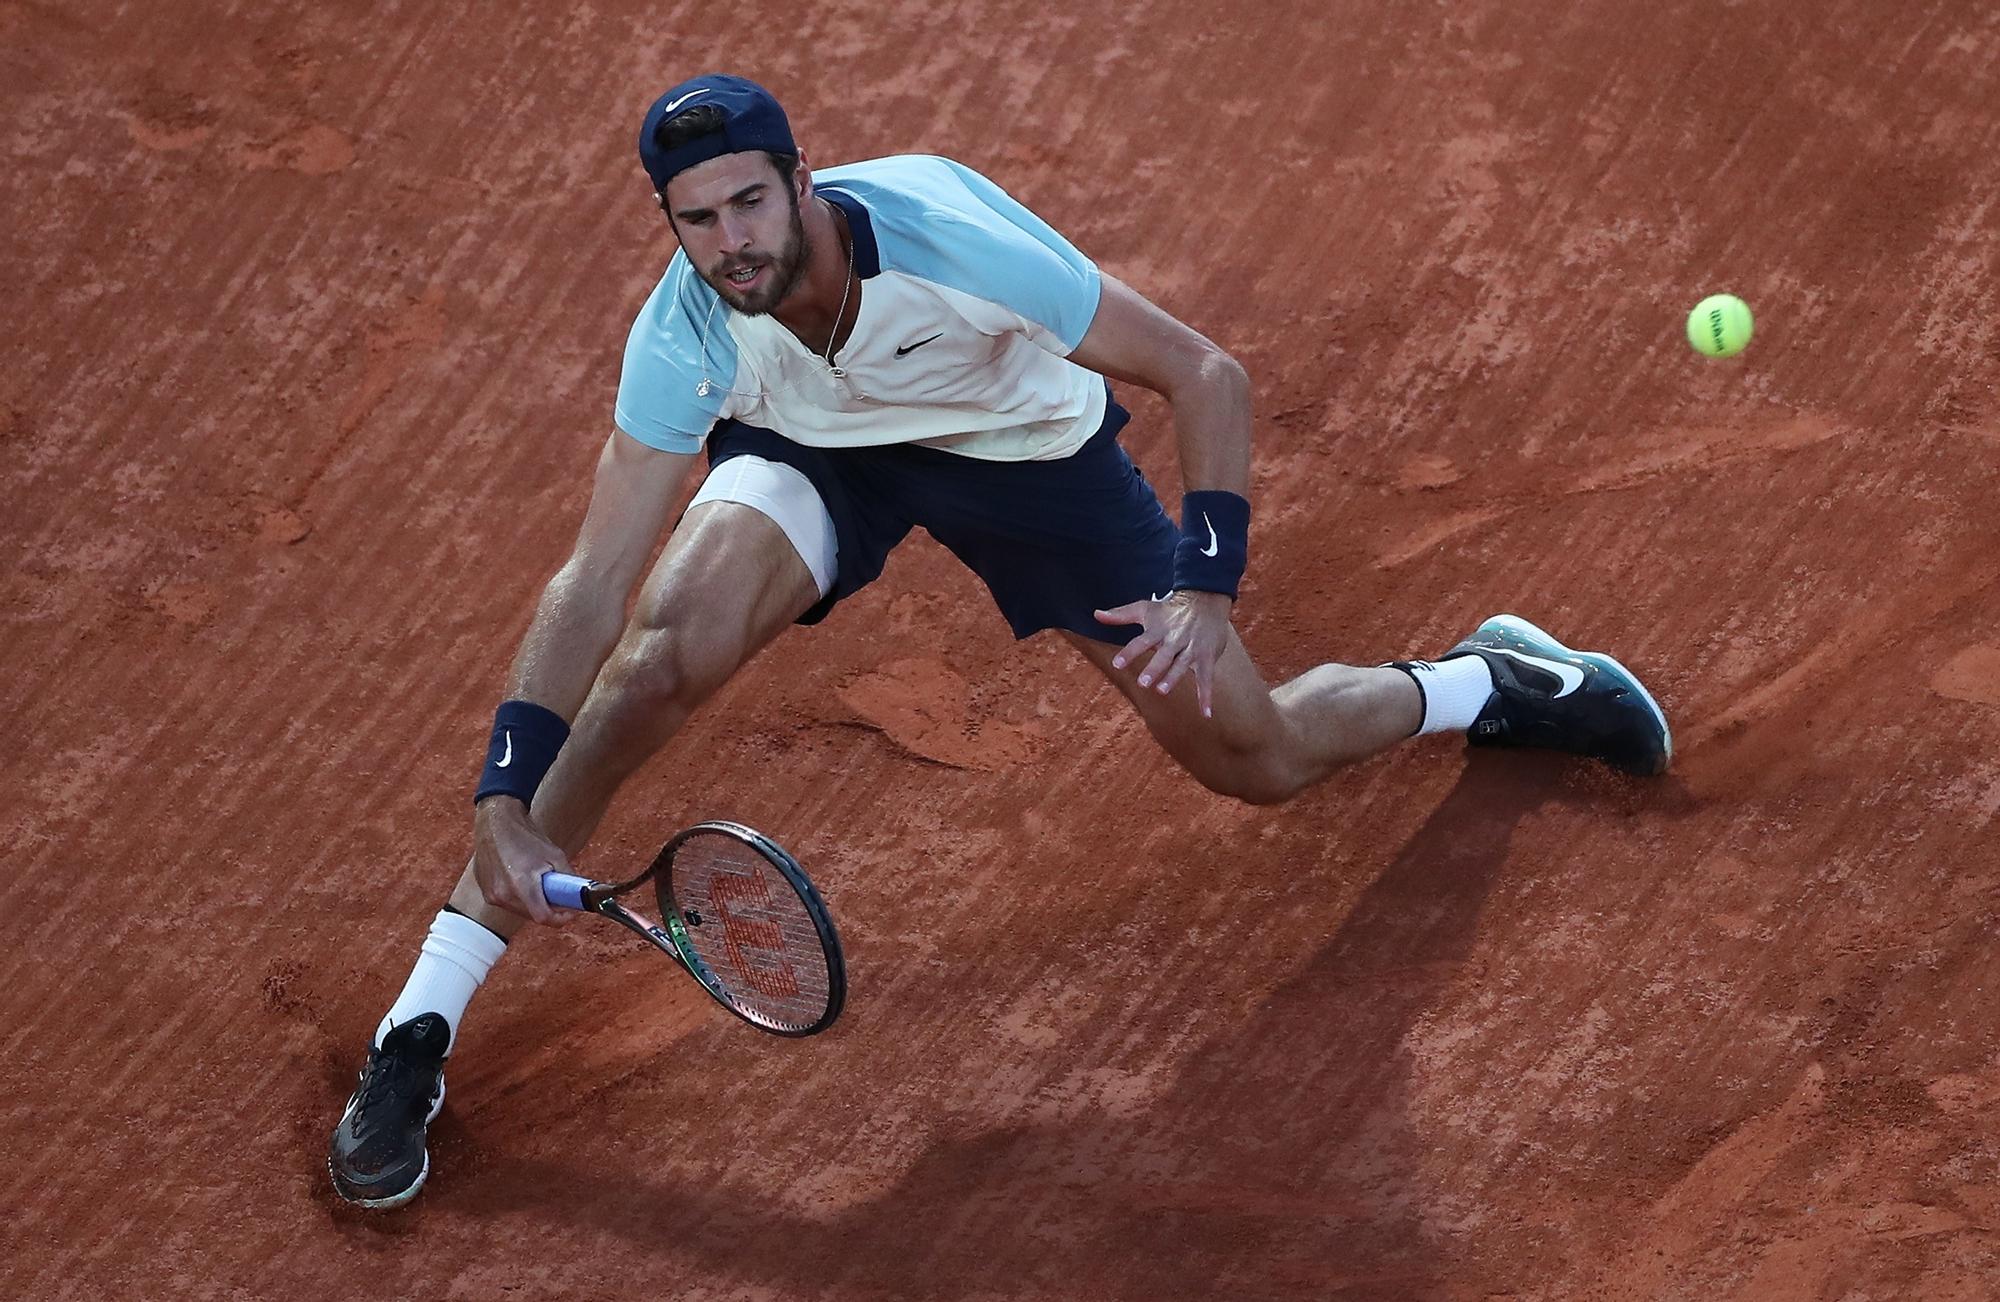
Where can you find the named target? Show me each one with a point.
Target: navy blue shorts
(1052, 540)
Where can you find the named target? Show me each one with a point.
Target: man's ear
(802, 178)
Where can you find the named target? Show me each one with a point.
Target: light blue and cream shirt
(970, 307)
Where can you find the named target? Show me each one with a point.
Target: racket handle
(564, 890)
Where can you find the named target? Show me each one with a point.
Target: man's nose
(735, 234)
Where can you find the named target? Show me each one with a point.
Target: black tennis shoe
(377, 1156)
(1548, 696)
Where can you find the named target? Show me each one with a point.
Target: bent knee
(1253, 777)
(663, 666)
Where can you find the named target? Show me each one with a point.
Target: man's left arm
(1132, 341)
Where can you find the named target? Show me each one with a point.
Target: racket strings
(753, 932)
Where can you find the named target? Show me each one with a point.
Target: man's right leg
(729, 581)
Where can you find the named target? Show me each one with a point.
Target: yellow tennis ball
(1719, 326)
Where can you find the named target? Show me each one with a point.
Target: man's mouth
(744, 277)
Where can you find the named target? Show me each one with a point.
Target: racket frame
(670, 936)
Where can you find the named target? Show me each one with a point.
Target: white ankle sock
(1455, 691)
(453, 963)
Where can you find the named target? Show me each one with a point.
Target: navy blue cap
(751, 120)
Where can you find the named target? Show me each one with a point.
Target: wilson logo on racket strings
(744, 935)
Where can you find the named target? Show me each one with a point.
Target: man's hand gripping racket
(741, 916)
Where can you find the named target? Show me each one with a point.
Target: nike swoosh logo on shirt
(682, 100)
(1214, 544)
(907, 349)
(1569, 676)
(508, 757)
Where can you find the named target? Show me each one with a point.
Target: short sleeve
(976, 239)
(680, 361)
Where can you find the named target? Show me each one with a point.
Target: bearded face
(753, 281)
(739, 223)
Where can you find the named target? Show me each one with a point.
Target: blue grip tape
(563, 890)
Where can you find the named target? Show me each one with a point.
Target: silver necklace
(708, 386)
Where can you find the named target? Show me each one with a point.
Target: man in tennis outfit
(884, 346)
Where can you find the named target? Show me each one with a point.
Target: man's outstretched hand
(1186, 633)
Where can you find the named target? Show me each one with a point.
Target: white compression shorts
(788, 498)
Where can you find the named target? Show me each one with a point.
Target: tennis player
(878, 347)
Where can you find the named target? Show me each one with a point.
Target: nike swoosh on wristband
(1214, 543)
(507, 758)
(1569, 676)
(682, 100)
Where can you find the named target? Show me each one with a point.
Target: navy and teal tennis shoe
(1548, 696)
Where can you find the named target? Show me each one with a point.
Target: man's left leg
(1509, 684)
(1264, 745)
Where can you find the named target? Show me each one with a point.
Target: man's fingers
(519, 889)
(1132, 612)
(537, 904)
(1204, 686)
(1137, 647)
(506, 893)
(547, 914)
(527, 899)
(1162, 661)
(1182, 663)
(555, 861)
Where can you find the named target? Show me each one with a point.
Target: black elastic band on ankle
(1423, 697)
(449, 907)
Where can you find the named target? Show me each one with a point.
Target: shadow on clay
(1281, 1158)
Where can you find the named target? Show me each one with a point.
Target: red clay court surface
(315, 315)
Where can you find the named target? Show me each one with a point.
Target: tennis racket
(741, 916)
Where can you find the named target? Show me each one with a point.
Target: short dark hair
(707, 119)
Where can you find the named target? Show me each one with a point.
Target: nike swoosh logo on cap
(682, 100)
(1214, 544)
(1569, 676)
(508, 757)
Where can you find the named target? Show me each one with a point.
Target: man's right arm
(582, 609)
(576, 626)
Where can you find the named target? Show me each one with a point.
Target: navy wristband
(1215, 542)
(526, 738)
